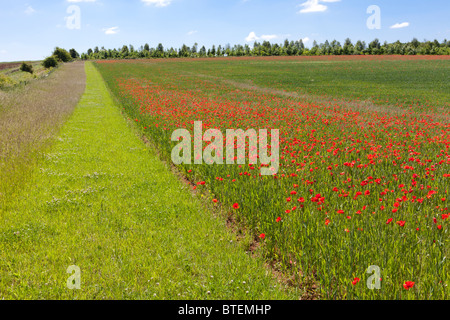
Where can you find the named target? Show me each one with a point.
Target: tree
(415, 43)
(124, 52)
(62, 55)
(74, 54)
(315, 48)
(360, 46)
(50, 62)
(184, 51)
(26, 67)
(336, 48)
(374, 47)
(194, 49)
(202, 51)
(348, 47)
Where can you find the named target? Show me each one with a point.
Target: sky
(31, 29)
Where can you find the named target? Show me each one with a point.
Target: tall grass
(30, 116)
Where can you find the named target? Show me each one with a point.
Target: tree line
(288, 48)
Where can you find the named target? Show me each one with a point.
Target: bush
(50, 62)
(26, 67)
(4, 80)
(62, 55)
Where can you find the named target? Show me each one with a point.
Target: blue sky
(30, 29)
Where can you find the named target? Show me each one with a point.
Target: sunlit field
(364, 160)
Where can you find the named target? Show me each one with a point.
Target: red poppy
(235, 206)
(401, 223)
(408, 285)
(262, 236)
(355, 281)
(278, 219)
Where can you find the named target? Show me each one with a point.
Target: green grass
(101, 200)
(389, 81)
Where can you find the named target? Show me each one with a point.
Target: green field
(363, 181)
(392, 81)
(101, 200)
(363, 178)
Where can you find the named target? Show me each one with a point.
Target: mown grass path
(103, 202)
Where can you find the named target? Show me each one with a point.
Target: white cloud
(306, 40)
(112, 30)
(315, 6)
(76, 1)
(253, 37)
(269, 37)
(157, 3)
(190, 33)
(29, 10)
(400, 25)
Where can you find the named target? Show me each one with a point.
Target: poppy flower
(278, 219)
(235, 206)
(408, 285)
(262, 236)
(355, 281)
(401, 223)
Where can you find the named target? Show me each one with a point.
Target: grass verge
(30, 118)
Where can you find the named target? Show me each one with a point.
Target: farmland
(11, 75)
(90, 194)
(364, 155)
